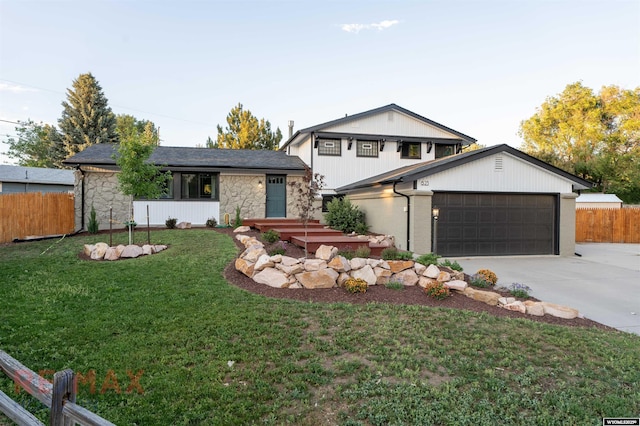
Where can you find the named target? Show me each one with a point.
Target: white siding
(516, 175)
(196, 212)
(391, 123)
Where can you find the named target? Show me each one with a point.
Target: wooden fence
(59, 397)
(35, 214)
(608, 225)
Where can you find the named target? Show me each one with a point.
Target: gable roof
(102, 154)
(380, 110)
(21, 174)
(598, 198)
(420, 170)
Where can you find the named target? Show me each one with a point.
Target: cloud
(15, 88)
(356, 28)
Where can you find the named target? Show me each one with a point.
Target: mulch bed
(411, 295)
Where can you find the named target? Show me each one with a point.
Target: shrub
(170, 223)
(361, 228)
(362, 251)
(355, 285)
(347, 253)
(211, 222)
(479, 280)
(345, 216)
(238, 220)
(451, 265)
(271, 236)
(93, 225)
(278, 249)
(489, 275)
(519, 290)
(428, 259)
(437, 290)
(394, 285)
(393, 253)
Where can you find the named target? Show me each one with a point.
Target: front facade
(366, 144)
(16, 179)
(492, 201)
(206, 183)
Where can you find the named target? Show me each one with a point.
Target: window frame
(334, 152)
(406, 148)
(440, 147)
(201, 186)
(374, 150)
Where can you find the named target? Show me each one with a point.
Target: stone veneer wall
(101, 191)
(242, 191)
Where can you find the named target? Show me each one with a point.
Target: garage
(496, 224)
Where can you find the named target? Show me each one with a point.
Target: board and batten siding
(196, 212)
(497, 173)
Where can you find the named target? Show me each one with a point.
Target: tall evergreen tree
(245, 131)
(86, 118)
(129, 127)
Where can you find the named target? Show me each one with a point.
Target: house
(34, 179)
(359, 146)
(598, 201)
(492, 201)
(206, 183)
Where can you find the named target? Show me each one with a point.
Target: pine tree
(86, 118)
(245, 131)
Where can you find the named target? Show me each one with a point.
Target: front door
(276, 196)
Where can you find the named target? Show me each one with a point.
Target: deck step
(251, 222)
(342, 243)
(287, 233)
(262, 227)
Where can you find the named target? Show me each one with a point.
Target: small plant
(270, 236)
(479, 280)
(393, 253)
(93, 226)
(171, 222)
(343, 215)
(489, 275)
(238, 220)
(394, 285)
(451, 265)
(278, 249)
(355, 285)
(519, 290)
(428, 259)
(131, 223)
(437, 290)
(347, 253)
(362, 251)
(211, 222)
(361, 228)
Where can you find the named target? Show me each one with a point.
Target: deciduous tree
(37, 145)
(245, 131)
(128, 126)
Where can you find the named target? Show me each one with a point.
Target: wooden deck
(342, 243)
(262, 227)
(252, 222)
(287, 233)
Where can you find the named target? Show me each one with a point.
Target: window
(367, 149)
(445, 150)
(196, 186)
(329, 147)
(411, 150)
(167, 191)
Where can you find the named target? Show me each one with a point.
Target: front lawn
(171, 342)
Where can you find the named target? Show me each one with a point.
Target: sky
(479, 67)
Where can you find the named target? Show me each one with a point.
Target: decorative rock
(382, 275)
(242, 229)
(384, 264)
(357, 263)
(264, 261)
(534, 308)
(147, 249)
(559, 311)
(366, 273)
(111, 254)
(99, 250)
(400, 265)
(295, 285)
(296, 268)
(88, 249)
(318, 279)
(314, 264)
(326, 252)
(516, 306)
(488, 297)
(184, 225)
(432, 271)
(506, 300)
(406, 277)
(457, 285)
(457, 276)
(276, 259)
(420, 268)
(246, 267)
(340, 264)
(242, 238)
(289, 261)
(424, 281)
(342, 278)
(253, 253)
(131, 251)
(119, 249)
(158, 248)
(272, 278)
(443, 277)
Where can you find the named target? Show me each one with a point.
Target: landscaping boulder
(382, 275)
(365, 273)
(314, 264)
(242, 229)
(340, 264)
(147, 249)
(407, 277)
(457, 285)
(488, 297)
(288, 261)
(516, 306)
(158, 248)
(400, 265)
(559, 311)
(184, 225)
(326, 252)
(296, 268)
(534, 308)
(264, 261)
(443, 277)
(425, 281)
(88, 249)
(318, 279)
(131, 251)
(244, 266)
(99, 250)
(419, 268)
(111, 254)
(357, 263)
(272, 278)
(253, 253)
(506, 300)
(432, 271)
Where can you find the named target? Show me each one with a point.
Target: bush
(362, 251)
(451, 265)
(437, 290)
(211, 222)
(271, 236)
(519, 290)
(394, 285)
(238, 220)
(479, 280)
(345, 216)
(489, 276)
(428, 259)
(347, 253)
(278, 249)
(393, 253)
(170, 223)
(361, 228)
(93, 226)
(355, 285)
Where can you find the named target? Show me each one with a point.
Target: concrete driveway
(603, 284)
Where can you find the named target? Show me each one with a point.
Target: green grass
(173, 316)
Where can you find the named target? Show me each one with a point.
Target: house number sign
(424, 182)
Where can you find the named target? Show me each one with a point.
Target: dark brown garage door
(490, 224)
